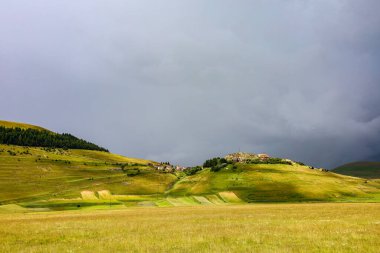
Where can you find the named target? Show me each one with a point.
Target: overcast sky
(183, 81)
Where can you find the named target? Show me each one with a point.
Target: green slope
(364, 169)
(35, 174)
(278, 182)
(10, 124)
(54, 178)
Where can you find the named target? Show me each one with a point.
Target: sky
(183, 81)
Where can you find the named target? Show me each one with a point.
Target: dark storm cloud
(186, 80)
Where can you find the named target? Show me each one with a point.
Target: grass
(49, 178)
(334, 227)
(279, 182)
(56, 179)
(35, 174)
(370, 170)
(10, 124)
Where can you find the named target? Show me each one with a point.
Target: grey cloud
(186, 80)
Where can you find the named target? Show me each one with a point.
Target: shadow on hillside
(271, 192)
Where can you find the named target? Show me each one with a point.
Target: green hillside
(10, 124)
(61, 178)
(364, 169)
(30, 174)
(278, 182)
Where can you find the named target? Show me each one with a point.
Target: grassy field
(73, 179)
(38, 174)
(370, 170)
(279, 182)
(60, 179)
(57, 200)
(334, 227)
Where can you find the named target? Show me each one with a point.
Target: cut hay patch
(146, 203)
(215, 200)
(88, 195)
(105, 194)
(202, 200)
(175, 202)
(189, 201)
(183, 201)
(230, 197)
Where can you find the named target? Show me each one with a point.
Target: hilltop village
(239, 157)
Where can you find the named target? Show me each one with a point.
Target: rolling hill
(278, 182)
(34, 173)
(59, 179)
(364, 169)
(63, 178)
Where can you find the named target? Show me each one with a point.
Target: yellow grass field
(332, 227)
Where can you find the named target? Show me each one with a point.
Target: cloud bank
(187, 80)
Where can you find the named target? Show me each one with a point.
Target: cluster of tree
(270, 160)
(215, 164)
(38, 138)
(214, 161)
(192, 170)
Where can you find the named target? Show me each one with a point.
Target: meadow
(29, 174)
(75, 200)
(328, 227)
(59, 179)
(279, 183)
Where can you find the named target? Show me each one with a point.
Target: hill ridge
(364, 169)
(33, 136)
(14, 124)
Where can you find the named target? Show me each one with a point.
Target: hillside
(364, 169)
(277, 182)
(10, 124)
(39, 174)
(63, 178)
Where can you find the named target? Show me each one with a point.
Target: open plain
(307, 227)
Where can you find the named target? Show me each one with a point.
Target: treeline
(271, 160)
(37, 138)
(216, 164)
(192, 170)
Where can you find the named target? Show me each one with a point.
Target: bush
(192, 170)
(214, 161)
(218, 167)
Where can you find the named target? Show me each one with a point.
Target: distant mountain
(22, 134)
(364, 169)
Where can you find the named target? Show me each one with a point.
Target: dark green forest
(38, 138)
